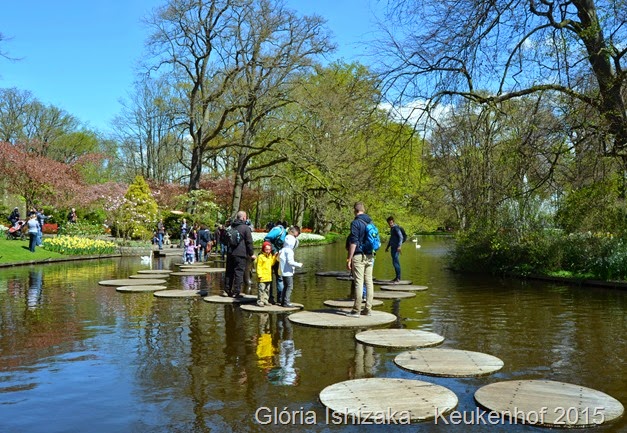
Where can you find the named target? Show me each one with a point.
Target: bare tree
(492, 51)
(191, 37)
(272, 46)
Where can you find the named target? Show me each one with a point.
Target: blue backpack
(276, 237)
(372, 242)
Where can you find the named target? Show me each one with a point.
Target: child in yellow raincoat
(264, 263)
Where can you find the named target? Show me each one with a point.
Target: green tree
(136, 215)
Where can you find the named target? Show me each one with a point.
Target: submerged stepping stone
(188, 274)
(155, 271)
(344, 278)
(405, 288)
(402, 338)
(132, 282)
(180, 293)
(134, 289)
(390, 282)
(383, 400)
(217, 299)
(347, 303)
(335, 318)
(333, 274)
(448, 362)
(392, 294)
(147, 276)
(549, 403)
(254, 308)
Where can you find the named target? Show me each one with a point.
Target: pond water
(79, 357)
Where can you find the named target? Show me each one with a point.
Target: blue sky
(81, 55)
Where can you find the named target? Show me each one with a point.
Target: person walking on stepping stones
(394, 245)
(287, 265)
(359, 261)
(264, 264)
(240, 249)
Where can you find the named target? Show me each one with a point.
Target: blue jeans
(396, 263)
(160, 240)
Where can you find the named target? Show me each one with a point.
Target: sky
(81, 56)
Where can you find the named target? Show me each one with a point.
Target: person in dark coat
(237, 256)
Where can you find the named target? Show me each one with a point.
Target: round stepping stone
(134, 289)
(344, 278)
(179, 293)
(549, 403)
(390, 283)
(347, 303)
(333, 274)
(147, 276)
(384, 399)
(254, 308)
(448, 362)
(405, 288)
(183, 266)
(334, 318)
(217, 299)
(155, 271)
(392, 294)
(131, 282)
(403, 338)
(204, 270)
(188, 274)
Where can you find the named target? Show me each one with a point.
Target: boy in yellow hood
(264, 264)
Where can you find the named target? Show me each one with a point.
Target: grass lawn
(17, 251)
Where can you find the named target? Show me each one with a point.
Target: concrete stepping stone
(333, 274)
(180, 293)
(217, 299)
(132, 282)
(383, 400)
(137, 289)
(393, 294)
(390, 282)
(347, 303)
(188, 274)
(154, 271)
(254, 308)
(448, 362)
(148, 276)
(336, 318)
(399, 338)
(404, 288)
(549, 403)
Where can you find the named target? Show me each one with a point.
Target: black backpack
(233, 237)
(403, 233)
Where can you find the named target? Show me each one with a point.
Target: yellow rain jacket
(264, 267)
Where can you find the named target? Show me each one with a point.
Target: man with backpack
(397, 237)
(276, 237)
(363, 242)
(239, 240)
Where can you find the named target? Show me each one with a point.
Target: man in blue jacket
(360, 261)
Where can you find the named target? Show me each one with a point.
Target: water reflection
(82, 351)
(285, 372)
(33, 297)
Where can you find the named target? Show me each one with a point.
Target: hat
(263, 246)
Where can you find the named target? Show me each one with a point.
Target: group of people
(197, 241)
(275, 264)
(34, 225)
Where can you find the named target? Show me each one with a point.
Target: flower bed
(79, 246)
(50, 229)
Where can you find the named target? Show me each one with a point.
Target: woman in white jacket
(287, 265)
